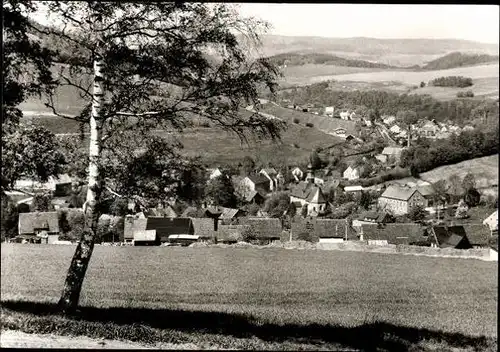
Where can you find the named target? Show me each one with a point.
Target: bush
(452, 81)
(296, 120)
(308, 124)
(467, 94)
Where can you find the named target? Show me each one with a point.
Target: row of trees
(451, 81)
(425, 155)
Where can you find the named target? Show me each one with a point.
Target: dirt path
(18, 339)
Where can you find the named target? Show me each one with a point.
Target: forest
(452, 81)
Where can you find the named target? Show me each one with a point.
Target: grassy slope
(278, 296)
(484, 169)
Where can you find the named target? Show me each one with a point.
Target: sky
(470, 22)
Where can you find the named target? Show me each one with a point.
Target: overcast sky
(471, 22)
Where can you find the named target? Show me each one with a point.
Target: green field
(258, 298)
(485, 171)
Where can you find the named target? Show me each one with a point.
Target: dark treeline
(467, 145)
(458, 59)
(425, 106)
(297, 59)
(452, 81)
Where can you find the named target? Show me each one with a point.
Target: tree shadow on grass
(369, 336)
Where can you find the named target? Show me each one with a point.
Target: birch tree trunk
(78, 267)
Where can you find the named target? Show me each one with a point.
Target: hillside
(300, 59)
(407, 51)
(457, 59)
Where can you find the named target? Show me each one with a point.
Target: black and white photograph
(249, 176)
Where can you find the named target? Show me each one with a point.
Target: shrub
(296, 120)
(308, 124)
(248, 235)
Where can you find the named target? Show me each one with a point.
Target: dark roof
(230, 233)
(164, 226)
(373, 216)
(307, 190)
(168, 212)
(204, 227)
(133, 224)
(226, 213)
(28, 222)
(188, 210)
(397, 192)
(323, 228)
(334, 228)
(265, 227)
(449, 236)
(477, 234)
(403, 233)
(255, 194)
(169, 226)
(258, 179)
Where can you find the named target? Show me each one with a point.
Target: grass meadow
(257, 298)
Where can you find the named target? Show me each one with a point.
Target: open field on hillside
(413, 77)
(482, 88)
(267, 298)
(216, 146)
(484, 169)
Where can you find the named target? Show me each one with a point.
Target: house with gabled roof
(265, 230)
(323, 230)
(38, 227)
(256, 197)
(393, 153)
(272, 175)
(479, 235)
(394, 233)
(164, 227)
(492, 221)
(255, 182)
(450, 237)
(297, 174)
(371, 217)
(400, 200)
(308, 194)
(352, 172)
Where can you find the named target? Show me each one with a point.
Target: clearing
(257, 298)
(485, 171)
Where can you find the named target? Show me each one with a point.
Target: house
(59, 185)
(400, 200)
(265, 230)
(229, 234)
(351, 173)
(450, 237)
(367, 122)
(164, 227)
(389, 120)
(345, 115)
(167, 212)
(271, 174)
(395, 129)
(39, 227)
(353, 189)
(145, 238)
(371, 217)
(382, 158)
(403, 233)
(323, 230)
(310, 195)
(226, 214)
(254, 183)
(329, 111)
(214, 173)
(297, 174)
(205, 229)
(429, 129)
(492, 221)
(256, 197)
(479, 235)
(393, 154)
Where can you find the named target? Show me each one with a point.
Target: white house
(214, 173)
(271, 174)
(329, 110)
(388, 120)
(393, 153)
(351, 173)
(309, 195)
(253, 183)
(298, 174)
(492, 221)
(353, 188)
(395, 129)
(345, 115)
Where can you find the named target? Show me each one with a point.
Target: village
(313, 204)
